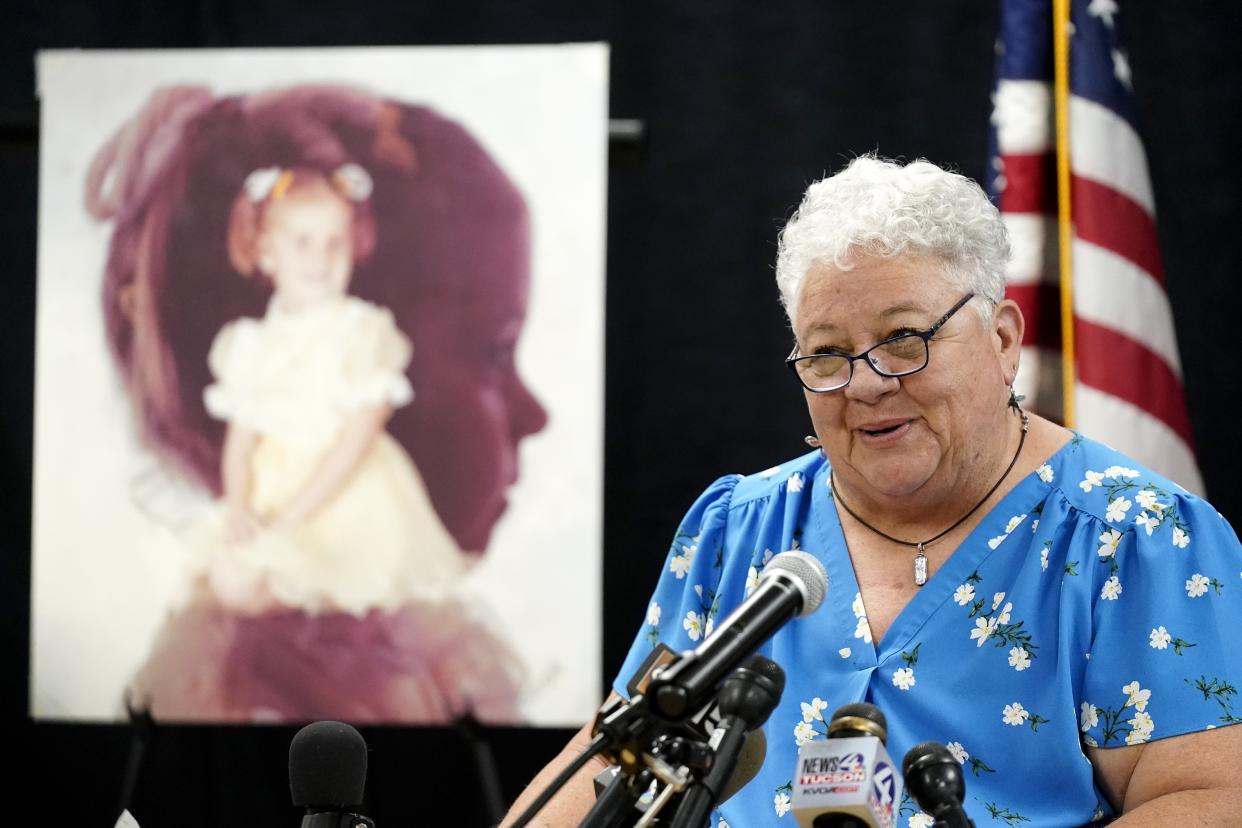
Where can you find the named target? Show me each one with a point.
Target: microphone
(847, 780)
(793, 583)
(746, 699)
(327, 775)
(934, 778)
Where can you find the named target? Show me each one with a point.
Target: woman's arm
(1194, 779)
(355, 440)
(239, 443)
(573, 801)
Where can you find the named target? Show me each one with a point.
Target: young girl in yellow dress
(325, 565)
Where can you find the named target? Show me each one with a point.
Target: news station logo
(833, 770)
(884, 790)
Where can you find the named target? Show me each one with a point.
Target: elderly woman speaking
(1059, 616)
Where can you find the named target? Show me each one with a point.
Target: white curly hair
(878, 207)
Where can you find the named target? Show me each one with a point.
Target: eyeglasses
(897, 356)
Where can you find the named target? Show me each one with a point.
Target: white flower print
(781, 802)
(1014, 523)
(1034, 525)
(1003, 618)
(1117, 508)
(997, 541)
(1136, 696)
(863, 630)
(795, 482)
(767, 556)
(959, 752)
(709, 626)
(814, 710)
(984, 627)
(653, 614)
(1120, 471)
(1015, 714)
(1180, 538)
(1110, 539)
(722, 823)
(1045, 473)
(1160, 638)
(1092, 479)
(1090, 741)
(1147, 500)
(680, 564)
(1043, 559)
(803, 733)
(845, 652)
(963, 594)
(904, 678)
(1141, 727)
(996, 599)
(1019, 659)
(1089, 718)
(921, 820)
(698, 590)
(752, 580)
(1197, 585)
(1147, 522)
(693, 624)
(1111, 590)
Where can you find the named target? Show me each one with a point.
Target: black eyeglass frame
(793, 359)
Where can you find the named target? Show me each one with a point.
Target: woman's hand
(240, 525)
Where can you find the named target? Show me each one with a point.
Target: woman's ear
(1008, 326)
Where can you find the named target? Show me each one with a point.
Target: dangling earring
(1015, 398)
(811, 440)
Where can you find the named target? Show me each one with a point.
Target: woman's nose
(867, 384)
(526, 415)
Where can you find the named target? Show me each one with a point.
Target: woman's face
(891, 436)
(306, 247)
(471, 409)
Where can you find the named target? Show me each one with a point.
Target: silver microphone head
(805, 572)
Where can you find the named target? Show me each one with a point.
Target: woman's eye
(500, 355)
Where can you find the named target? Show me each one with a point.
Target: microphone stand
(142, 726)
(699, 799)
(485, 765)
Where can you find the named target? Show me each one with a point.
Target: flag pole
(1060, 48)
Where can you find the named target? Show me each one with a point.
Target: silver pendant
(920, 567)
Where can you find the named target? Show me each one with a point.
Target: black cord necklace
(920, 559)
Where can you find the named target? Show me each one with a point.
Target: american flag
(1128, 388)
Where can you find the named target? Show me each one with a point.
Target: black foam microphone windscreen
(327, 766)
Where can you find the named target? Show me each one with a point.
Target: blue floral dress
(1095, 605)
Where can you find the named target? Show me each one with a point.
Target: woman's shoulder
(790, 477)
(361, 312)
(235, 341)
(1115, 489)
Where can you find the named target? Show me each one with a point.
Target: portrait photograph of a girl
(304, 407)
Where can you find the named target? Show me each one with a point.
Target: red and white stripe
(1129, 380)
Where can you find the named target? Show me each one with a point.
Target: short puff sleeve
(374, 362)
(681, 609)
(1163, 659)
(235, 347)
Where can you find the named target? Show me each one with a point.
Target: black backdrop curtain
(744, 104)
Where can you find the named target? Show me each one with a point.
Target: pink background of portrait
(102, 574)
